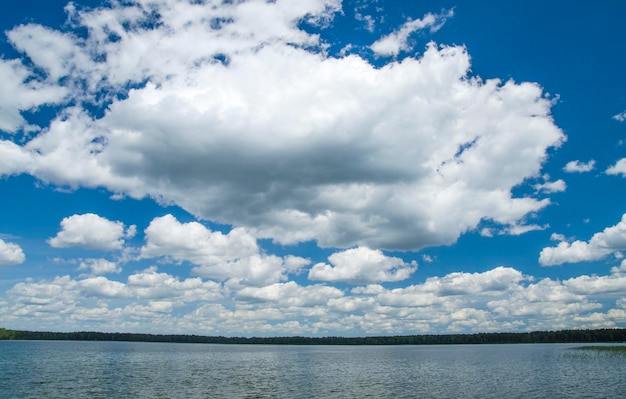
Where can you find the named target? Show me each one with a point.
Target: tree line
(562, 336)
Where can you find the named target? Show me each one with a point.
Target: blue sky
(312, 167)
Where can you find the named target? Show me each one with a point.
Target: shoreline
(617, 335)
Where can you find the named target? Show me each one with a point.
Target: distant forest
(563, 336)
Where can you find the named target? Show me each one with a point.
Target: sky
(312, 167)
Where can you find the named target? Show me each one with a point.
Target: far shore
(617, 335)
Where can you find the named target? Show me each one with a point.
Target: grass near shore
(605, 348)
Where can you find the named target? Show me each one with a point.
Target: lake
(71, 369)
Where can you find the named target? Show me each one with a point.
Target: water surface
(67, 369)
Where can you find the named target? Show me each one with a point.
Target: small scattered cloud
(621, 117)
(368, 21)
(579, 167)
(91, 231)
(397, 41)
(519, 229)
(363, 12)
(11, 254)
(550, 187)
(511, 230)
(609, 241)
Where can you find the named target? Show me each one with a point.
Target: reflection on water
(60, 369)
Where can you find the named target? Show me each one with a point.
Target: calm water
(58, 369)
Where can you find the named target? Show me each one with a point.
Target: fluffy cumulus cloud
(10, 254)
(362, 266)
(235, 256)
(610, 241)
(91, 231)
(166, 236)
(332, 149)
(618, 169)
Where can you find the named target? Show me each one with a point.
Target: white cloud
(291, 294)
(99, 266)
(367, 20)
(500, 299)
(11, 254)
(322, 148)
(251, 270)
(102, 287)
(90, 231)
(579, 167)
(494, 280)
(618, 169)
(619, 269)
(397, 41)
(557, 237)
(613, 284)
(13, 160)
(516, 230)
(53, 295)
(150, 284)
(609, 241)
(621, 117)
(55, 52)
(551, 186)
(362, 265)
(20, 91)
(363, 11)
(166, 236)
(434, 292)
(546, 303)
(512, 230)
(216, 255)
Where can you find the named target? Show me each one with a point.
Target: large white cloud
(234, 118)
(362, 265)
(11, 254)
(91, 231)
(611, 240)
